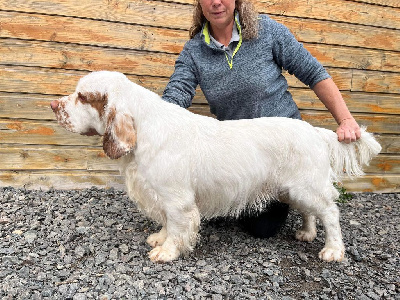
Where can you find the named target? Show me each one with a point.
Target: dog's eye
(82, 98)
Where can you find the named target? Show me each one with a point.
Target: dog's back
(247, 162)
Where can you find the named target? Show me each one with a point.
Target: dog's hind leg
(308, 230)
(334, 247)
(320, 203)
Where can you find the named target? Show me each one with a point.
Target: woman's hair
(247, 13)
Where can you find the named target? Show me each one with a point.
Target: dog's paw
(306, 236)
(332, 254)
(157, 239)
(162, 254)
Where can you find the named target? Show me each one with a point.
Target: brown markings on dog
(125, 131)
(120, 135)
(97, 100)
(63, 116)
(110, 145)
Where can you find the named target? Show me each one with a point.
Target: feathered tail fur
(348, 159)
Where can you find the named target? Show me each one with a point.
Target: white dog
(181, 167)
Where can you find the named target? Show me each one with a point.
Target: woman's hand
(348, 131)
(329, 94)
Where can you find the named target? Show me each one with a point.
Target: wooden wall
(46, 46)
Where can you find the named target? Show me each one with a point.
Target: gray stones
(90, 244)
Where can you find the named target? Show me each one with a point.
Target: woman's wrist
(344, 119)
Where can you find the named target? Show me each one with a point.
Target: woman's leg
(267, 223)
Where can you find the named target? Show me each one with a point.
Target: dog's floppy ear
(120, 134)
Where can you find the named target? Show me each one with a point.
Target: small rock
(79, 296)
(302, 256)
(30, 236)
(80, 251)
(202, 277)
(201, 263)
(82, 230)
(124, 248)
(100, 258)
(4, 220)
(113, 254)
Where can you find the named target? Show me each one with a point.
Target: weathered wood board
(46, 46)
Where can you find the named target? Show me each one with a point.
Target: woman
(237, 57)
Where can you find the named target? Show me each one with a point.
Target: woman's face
(218, 12)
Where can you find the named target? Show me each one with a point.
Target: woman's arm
(182, 84)
(329, 94)
(292, 56)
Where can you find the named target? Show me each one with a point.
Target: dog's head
(97, 108)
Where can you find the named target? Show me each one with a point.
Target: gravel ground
(90, 244)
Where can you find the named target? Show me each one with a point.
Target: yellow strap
(206, 34)
(230, 60)
(207, 39)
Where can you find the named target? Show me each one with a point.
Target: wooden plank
(389, 3)
(38, 80)
(61, 56)
(41, 157)
(98, 161)
(24, 157)
(80, 180)
(32, 80)
(376, 81)
(358, 81)
(162, 13)
(355, 58)
(384, 164)
(389, 143)
(374, 183)
(354, 11)
(153, 13)
(26, 106)
(126, 36)
(68, 180)
(342, 34)
(334, 10)
(375, 123)
(356, 102)
(41, 133)
(91, 32)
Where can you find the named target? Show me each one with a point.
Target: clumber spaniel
(180, 167)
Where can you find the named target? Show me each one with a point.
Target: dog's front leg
(158, 238)
(181, 228)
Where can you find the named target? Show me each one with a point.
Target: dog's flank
(180, 167)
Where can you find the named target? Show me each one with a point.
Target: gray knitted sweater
(250, 84)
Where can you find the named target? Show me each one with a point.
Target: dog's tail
(348, 159)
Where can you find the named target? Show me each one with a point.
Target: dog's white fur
(181, 167)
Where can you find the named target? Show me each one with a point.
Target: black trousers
(266, 223)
